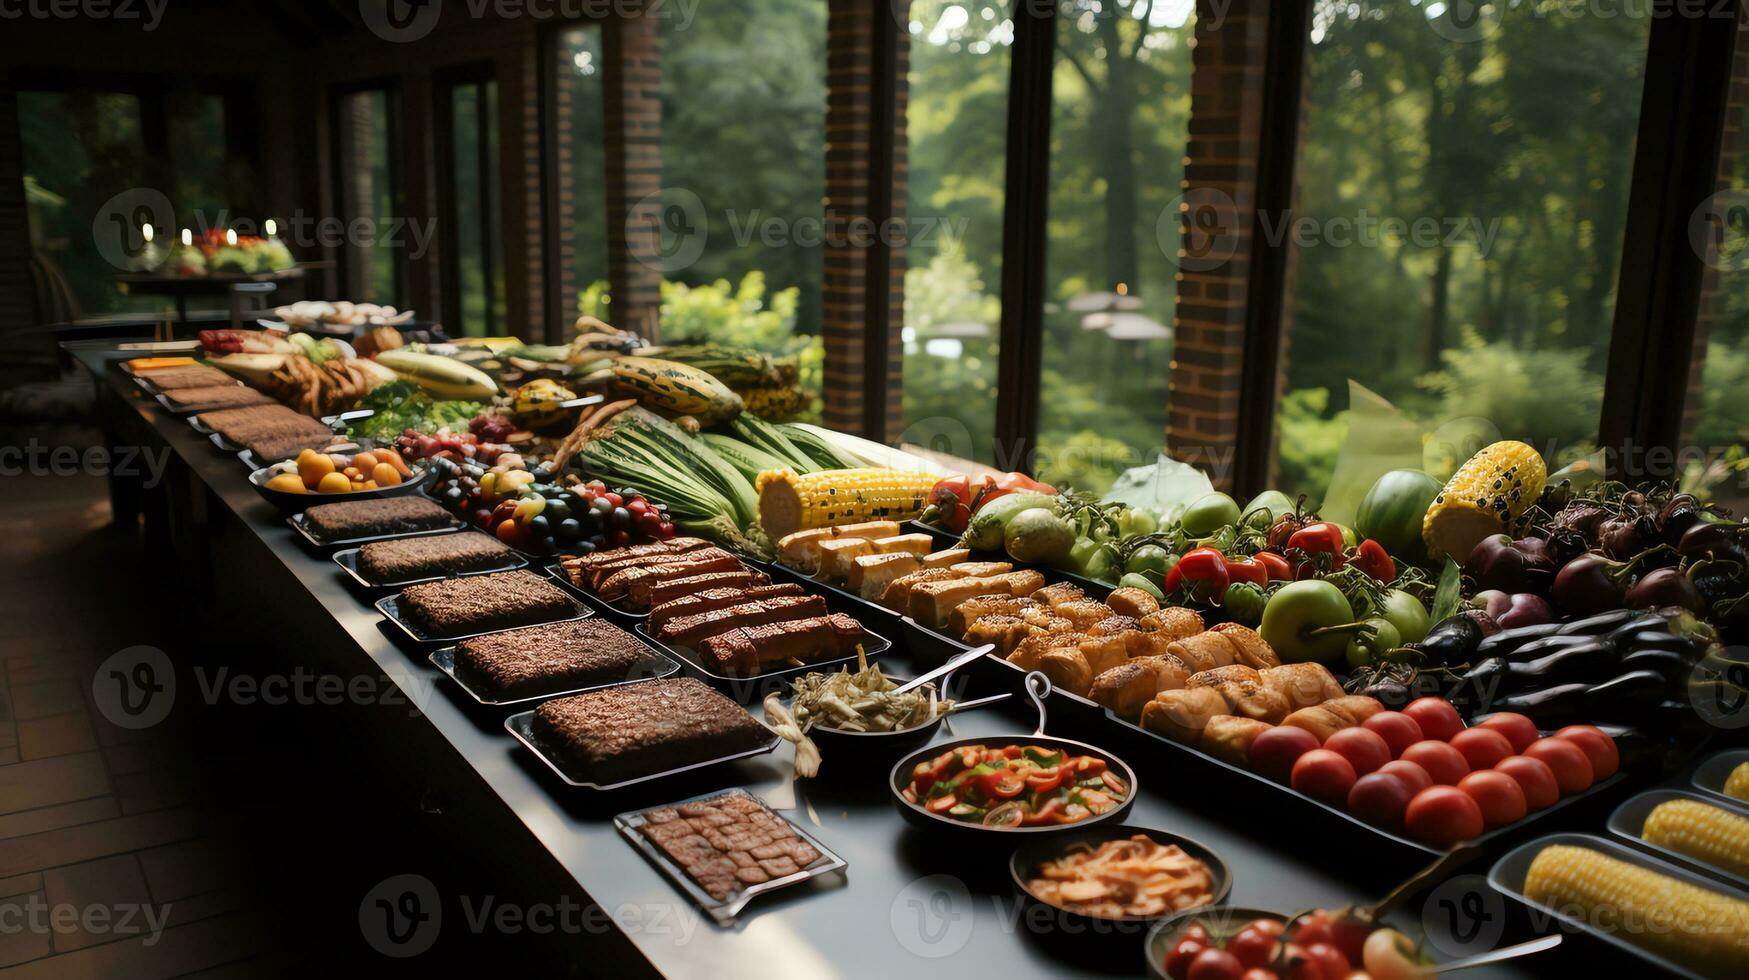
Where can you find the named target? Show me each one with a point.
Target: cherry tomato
(1300, 965)
(1534, 777)
(1497, 794)
(1437, 718)
(1178, 960)
(1397, 729)
(1253, 946)
(1317, 927)
(1518, 729)
(1323, 775)
(1274, 751)
(1598, 747)
(1445, 764)
(1371, 558)
(1570, 764)
(1215, 964)
(1364, 749)
(941, 804)
(1380, 798)
(1247, 569)
(1201, 574)
(1481, 747)
(1277, 567)
(1332, 962)
(1258, 973)
(1443, 815)
(1198, 932)
(1415, 777)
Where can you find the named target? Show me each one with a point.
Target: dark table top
(907, 906)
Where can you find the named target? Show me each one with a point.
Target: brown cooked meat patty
(439, 554)
(215, 396)
(187, 376)
(634, 730)
(483, 603)
(384, 515)
(554, 657)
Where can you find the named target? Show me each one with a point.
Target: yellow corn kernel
(1737, 785)
(1707, 833)
(790, 502)
(1697, 927)
(1485, 496)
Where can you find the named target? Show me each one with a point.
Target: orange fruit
(385, 475)
(334, 483)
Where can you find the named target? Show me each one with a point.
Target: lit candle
(230, 236)
(146, 231)
(272, 229)
(187, 237)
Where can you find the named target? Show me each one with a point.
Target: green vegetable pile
(403, 405)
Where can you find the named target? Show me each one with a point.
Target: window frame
(445, 83)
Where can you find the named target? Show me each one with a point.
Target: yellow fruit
(312, 466)
(393, 459)
(287, 483)
(334, 483)
(365, 462)
(385, 475)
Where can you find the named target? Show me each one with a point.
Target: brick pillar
(17, 304)
(1220, 171)
(1714, 295)
(520, 197)
(632, 91)
(852, 145)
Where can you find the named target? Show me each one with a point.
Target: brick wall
(1219, 179)
(1716, 288)
(850, 106)
(632, 90)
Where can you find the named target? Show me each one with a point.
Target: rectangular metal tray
(1709, 777)
(301, 525)
(348, 560)
(873, 645)
(1629, 821)
(724, 911)
(520, 728)
(656, 665)
(390, 607)
(1508, 874)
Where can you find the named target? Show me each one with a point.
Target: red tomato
(1481, 747)
(1316, 927)
(1258, 973)
(1301, 966)
(1182, 953)
(1518, 729)
(1415, 777)
(1380, 798)
(1253, 946)
(1443, 815)
(1364, 749)
(1437, 718)
(1445, 764)
(1571, 766)
(1323, 775)
(1216, 964)
(1598, 746)
(1397, 729)
(1274, 752)
(1332, 962)
(1534, 777)
(1196, 931)
(1499, 796)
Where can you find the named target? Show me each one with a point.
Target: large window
(581, 166)
(364, 139)
(1462, 201)
(956, 124)
(1120, 96)
(474, 268)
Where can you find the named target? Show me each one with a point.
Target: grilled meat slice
(703, 602)
(749, 650)
(690, 631)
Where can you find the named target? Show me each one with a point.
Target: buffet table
(907, 905)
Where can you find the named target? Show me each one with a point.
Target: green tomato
(1149, 558)
(1363, 651)
(1267, 507)
(1102, 566)
(1136, 521)
(1407, 615)
(1209, 513)
(1132, 580)
(1299, 608)
(1243, 603)
(1080, 554)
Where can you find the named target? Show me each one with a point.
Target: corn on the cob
(1737, 784)
(1696, 927)
(1701, 831)
(1485, 496)
(790, 503)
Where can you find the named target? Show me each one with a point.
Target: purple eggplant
(1714, 538)
(1581, 517)
(1499, 562)
(1515, 610)
(1678, 514)
(1591, 584)
(1665, 587)
(1624, 537)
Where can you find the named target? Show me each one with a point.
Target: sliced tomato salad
(1015, 786)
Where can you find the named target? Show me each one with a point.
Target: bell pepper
(1320, 538)
(1018, 482)
(1371, 558)
(953, 501)
(1201, 574)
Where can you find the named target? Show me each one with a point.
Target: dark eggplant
(1451, 641)
(1622, 538)
(1621, 696)
(1506, 641)
(1563, 704)
(1599, 623)
(1653, 638)
(1591, 583)
(1574, 663)
(1674, 667)
(1500, 563)
(1549, 707)
(1581, 518)
(1715, 538)
(1665, 587)
(1681, 512)
(1537, 649)
(1478, 687)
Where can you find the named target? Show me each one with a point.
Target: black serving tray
(1709, 777)
(1629, 820)
(390, 607)
(520, 727)
(724, 911)
(1094, 588)
(287, 501)
(657, 664)
(1508, 874)
(348, 560)
(756, 686)
(301, 525)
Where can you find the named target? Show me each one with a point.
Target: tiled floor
(108, 867)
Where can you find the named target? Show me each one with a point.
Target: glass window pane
(367, 193)
(956, 122)
(744, 158)
(582, 171)
(1120, 95)
(1461, 208)
(1717, 419)
(204, 190)
(470, 263)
